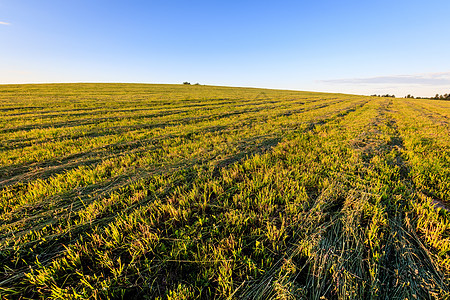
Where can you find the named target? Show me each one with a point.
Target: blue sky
(360, 47)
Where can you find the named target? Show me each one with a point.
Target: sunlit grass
(186, 192)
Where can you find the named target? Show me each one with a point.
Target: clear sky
(360, 47)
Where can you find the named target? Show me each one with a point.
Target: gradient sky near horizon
(359, 47)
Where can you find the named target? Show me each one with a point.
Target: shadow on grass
(260, 148)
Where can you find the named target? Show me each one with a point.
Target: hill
(186, 192)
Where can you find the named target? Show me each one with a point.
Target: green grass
(111, 191)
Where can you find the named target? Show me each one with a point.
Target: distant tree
(187, 83)
(437, 97)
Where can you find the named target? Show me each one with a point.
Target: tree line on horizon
(437, 97)
(442, 97)
(409, 96)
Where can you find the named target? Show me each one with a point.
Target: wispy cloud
(4, 23)
(430, 79)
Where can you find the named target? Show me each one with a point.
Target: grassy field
(112, 191)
